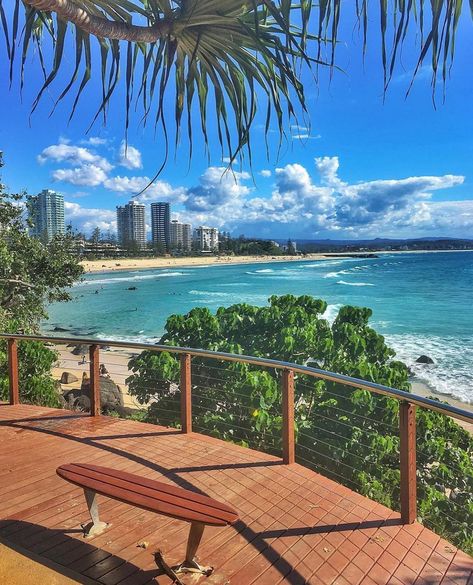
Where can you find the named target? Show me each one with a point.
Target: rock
(110, 394)
(111, 398)
(424, 359)
(132, 288)
(68, 378)
(62, 329)
(80, 349)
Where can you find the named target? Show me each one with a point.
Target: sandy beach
(116, 362)
(112, 265)
(116, 264)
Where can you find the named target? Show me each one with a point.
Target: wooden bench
(150, 495)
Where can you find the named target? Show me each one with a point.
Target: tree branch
(102, 27)
(15, 281)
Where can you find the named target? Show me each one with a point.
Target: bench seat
(148, 494)
(154, 496)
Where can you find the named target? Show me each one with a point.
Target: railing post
(94, 356)
(407, 429)
(13, 371)
(288, 445)
(186, 393)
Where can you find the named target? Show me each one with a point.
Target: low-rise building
(206, 238)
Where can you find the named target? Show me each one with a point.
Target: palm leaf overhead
(224, 58)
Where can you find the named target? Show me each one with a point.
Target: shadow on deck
(296, 526)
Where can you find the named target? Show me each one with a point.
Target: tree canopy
(349, 435)
(227, 56)
(32, 274)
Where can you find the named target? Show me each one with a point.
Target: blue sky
(367, 167)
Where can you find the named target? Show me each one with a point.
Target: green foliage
(32, 274)
(35, 361)
(348, 434)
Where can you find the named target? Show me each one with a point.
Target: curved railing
(408, 401)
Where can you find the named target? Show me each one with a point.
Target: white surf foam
(208, 293)
(355, 283)
(129, 278)
(331, 312)
(451, 373)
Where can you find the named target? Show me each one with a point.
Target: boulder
(68, 378)
(110, 394)
(80, 349)
(424, 359)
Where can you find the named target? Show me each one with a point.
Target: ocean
(422, 303)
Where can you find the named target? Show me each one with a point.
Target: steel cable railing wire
(347, 429)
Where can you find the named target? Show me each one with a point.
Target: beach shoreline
(124, 264)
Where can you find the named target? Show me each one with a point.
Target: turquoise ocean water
(422, 303)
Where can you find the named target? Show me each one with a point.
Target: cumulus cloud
(73, 155)
(303, 202)
(129, 156)
(88, 175)
(86, 219)
(159, 190)
(301, 206)
(88, 168)
(217, 187)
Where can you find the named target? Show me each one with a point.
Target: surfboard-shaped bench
(150, 495)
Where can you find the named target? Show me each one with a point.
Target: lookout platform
(295, 527)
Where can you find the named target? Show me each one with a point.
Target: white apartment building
(206, 238)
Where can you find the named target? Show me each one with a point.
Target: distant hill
(426, 243)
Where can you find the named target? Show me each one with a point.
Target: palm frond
(227, 56)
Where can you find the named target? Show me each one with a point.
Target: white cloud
(73, 155)
(306, 136)
(303, 208)
(159, 190)
(88, 175)
(95, 141)
(217, 188)
(129, 156)
(300, 203)
(86, 219)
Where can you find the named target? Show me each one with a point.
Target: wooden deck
(296, 526)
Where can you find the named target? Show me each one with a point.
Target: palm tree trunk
(102, 27)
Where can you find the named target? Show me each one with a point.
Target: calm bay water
(422, 303)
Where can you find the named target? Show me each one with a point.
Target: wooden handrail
(186, 393)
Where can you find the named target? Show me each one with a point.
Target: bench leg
(96, 526)
(195, 536)
(190, 565)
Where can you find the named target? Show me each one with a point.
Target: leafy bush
(32, 274)
(348, 434)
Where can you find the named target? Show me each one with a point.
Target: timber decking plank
(289, 514)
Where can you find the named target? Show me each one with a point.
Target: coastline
(117, 264)
(124, 264)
